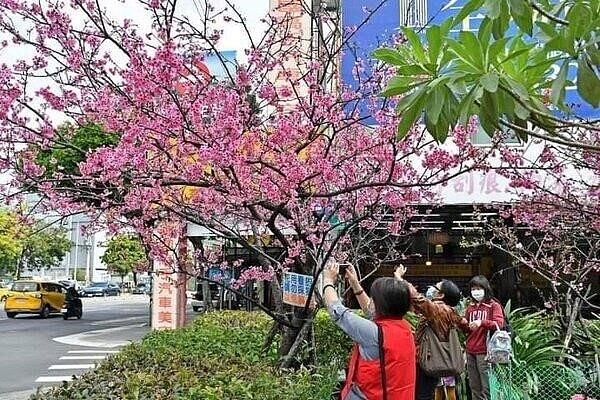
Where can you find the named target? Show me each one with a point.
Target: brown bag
(439, 359)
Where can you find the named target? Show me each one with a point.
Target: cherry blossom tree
(271, 150)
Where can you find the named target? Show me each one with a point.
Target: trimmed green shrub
(217, 357)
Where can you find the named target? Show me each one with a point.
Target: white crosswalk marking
(82, 357)
(47, 379)
(83, 360)
(72, 366)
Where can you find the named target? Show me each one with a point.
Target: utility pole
(76, 250)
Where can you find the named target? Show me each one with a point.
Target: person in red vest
(382, 363)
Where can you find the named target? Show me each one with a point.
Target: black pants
(425, 385)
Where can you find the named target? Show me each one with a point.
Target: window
(25, 287)
(481, 138)
(413, 13)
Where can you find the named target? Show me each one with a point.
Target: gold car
(32, 297)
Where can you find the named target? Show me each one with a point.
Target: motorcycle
(73, 307)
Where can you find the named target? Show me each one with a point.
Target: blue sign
(385, 19)
(224, 275)
(296, 288)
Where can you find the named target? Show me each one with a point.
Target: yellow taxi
(34, 297)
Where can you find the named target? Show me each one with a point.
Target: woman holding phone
(382, 362)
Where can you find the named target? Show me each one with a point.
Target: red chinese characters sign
(168, 298)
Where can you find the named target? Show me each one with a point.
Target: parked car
(141, 288)
(33, 297)
(101, 289)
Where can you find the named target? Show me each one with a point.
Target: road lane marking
(82, 358)
(86, 339)
(93, 351)
(72, 366)
(47, 379)
(112, 321)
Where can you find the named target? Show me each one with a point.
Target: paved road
(36, 351)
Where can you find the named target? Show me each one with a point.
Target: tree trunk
(207, 296)
(20, 265)
(572, 311)
(289, 359)
(294, 337)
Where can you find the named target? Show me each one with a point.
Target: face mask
(478, 294)
(430, 292)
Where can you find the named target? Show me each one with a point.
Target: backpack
(438, 359)
(499, 347)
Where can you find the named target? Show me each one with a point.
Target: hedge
(216, 357)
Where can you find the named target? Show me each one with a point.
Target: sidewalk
(24, 395)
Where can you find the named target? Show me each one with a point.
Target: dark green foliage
(72, 147)
(543, 367)
(125, 253)
(217, 357)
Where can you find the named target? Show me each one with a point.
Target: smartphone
(342, 269)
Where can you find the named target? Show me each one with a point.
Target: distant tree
(10, 245)
(43, 246)
(125, 253)
(27, 243)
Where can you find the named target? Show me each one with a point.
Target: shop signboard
(296, 288)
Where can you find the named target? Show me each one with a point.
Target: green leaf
(548, 29)
(517, 88)
(466, 10)
(416, 45)
(493, 8)
(412, 70)
(489, 82)
(521, 112)
(434, 104)
(496, 48)
(485, 31)
(472, 45)
(594, 54)
(506, 105)
(434, 39)
(488, 113)
(500, 24)
(579, 17)
(398, 85)
(514, 54)
(558, 86)
(588, 84)
(521, 134)
(410, 111)
(516, 6)
(561, 43)
(524, 17)
(466, 106)
(389, 56)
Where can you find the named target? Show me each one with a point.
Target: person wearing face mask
(382, 362)
(484, 315)
(435, 309)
